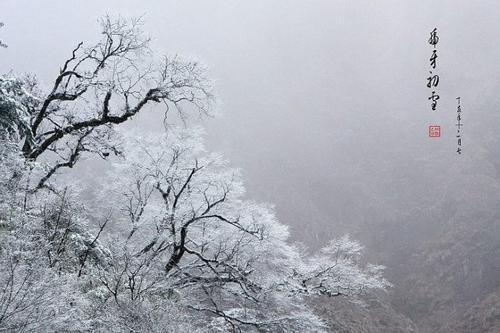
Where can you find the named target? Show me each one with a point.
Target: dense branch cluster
(97, 87)
(172, 245)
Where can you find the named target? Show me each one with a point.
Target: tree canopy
(173, 243)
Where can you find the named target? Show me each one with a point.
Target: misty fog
(323, 105)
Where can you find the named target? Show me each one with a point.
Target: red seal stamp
(434, 131)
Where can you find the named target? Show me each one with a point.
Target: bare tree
(191, 237)
(104, 85)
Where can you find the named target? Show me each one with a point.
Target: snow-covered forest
(251, 166)
(171, 243)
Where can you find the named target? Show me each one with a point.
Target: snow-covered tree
(173, 245)
(187, 234)
(98, 87)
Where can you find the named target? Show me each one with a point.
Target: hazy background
(323, 104)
